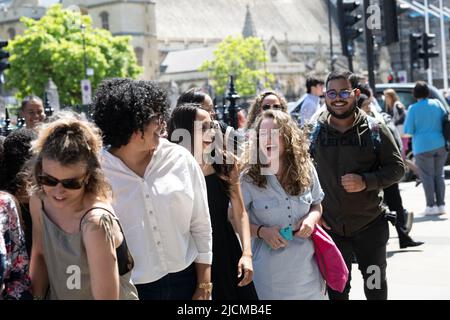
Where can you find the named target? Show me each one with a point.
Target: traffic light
(390, 23)
(4, 55)
(390, 78)
(415, 49)
(347, 24)
(428, 51)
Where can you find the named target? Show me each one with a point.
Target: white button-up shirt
(165, 214)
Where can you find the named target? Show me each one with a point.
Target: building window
(273, 54)
(139, 52)
(104, 16)
(11, 33)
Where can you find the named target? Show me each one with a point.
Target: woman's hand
(305, 227)
(273, 237)
(323, 224)
(245, 264)
(201, 294)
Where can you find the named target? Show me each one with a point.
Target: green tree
(52, 47)
(243, 58)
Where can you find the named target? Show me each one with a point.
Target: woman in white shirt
(159, 190)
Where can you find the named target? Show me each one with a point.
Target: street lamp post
(330, 31)
(83, 31)
(232, 109)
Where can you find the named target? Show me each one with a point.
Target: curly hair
(16, 154)
(255, 108)
(297, 174)
(71, 141)
(125, 106)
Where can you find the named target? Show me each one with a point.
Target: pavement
(420, 273)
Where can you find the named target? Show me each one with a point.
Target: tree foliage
(52, 47)
(242, 57)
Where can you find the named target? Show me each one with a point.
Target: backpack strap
(374, 127)
(313, 136)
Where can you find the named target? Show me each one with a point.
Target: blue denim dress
(290, 273)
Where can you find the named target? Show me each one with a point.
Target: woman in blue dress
(282, 193)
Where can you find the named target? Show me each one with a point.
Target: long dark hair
(183, 117)
(193, 95)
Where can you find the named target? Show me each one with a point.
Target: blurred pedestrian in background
(32, 110)
(424, 122)
(265, 101)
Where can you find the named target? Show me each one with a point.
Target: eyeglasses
(344, 94)
(273, 106)
(71, 184)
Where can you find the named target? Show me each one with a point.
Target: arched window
(104, 16)
(273, 54)
(139, 52)
(11, 33)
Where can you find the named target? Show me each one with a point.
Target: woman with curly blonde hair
(265, 101)
(282, 196)
(79, 251)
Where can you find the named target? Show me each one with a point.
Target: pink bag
(329, 259)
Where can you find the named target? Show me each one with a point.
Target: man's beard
(344, 115)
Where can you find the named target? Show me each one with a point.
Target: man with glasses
(353, 174)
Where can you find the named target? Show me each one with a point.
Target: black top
(226, 247)
(125, 261)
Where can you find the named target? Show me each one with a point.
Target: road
(421, 273)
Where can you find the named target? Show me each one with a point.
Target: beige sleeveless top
(67, 265)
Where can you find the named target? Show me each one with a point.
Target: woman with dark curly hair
(283, 196)
(79, 250)
(13, 174)
(160, 192)
(265, 101)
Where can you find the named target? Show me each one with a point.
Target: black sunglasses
(344, 94)
(71, 184)
(273, 106)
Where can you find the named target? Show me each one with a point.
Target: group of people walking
(143, 204)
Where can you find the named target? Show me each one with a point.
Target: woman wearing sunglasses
(79, 250)
(268, 100)
(232, 269)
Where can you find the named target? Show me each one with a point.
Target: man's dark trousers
(369, 247)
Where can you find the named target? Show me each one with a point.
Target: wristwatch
(207, 286)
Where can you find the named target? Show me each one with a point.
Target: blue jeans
(431, 170)
(174, 286)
